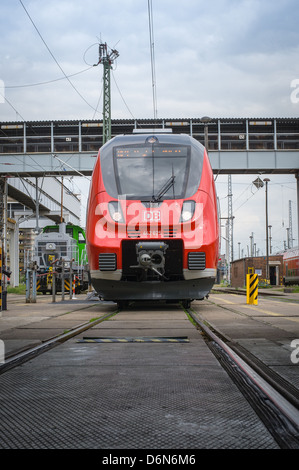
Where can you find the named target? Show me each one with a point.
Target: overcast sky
(221, 58)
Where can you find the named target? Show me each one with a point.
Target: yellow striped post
(252, 288)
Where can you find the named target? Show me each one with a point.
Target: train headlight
(116, 212)
(187, 211)
(50, 246)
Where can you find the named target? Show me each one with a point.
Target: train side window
(81, 238)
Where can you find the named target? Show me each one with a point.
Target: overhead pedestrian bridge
(237, 146)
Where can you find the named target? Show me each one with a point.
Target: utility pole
(270, 239)
(251, 244)
(36, 205)
(267, 230)
(230, 224)
(3, 242)
(290, 234)
(2, 207)
(106, 59)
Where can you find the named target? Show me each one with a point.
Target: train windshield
(152, 172)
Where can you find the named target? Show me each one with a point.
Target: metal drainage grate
(143, 339)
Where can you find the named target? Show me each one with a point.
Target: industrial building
(240, 267)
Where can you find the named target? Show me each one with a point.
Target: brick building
(239, 269)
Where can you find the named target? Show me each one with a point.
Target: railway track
(273, 402)
(275, 405)
(227, 290)
(286, 389)
(28, 354)
(264, 293)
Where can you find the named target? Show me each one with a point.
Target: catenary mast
(107, 59)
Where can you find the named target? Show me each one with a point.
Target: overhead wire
(253, 194)
(121, 95)
(84, 55)
(152, 50)
(65, 77)
(48, 81)
(98, 104)
(54, 58)
(12, 106)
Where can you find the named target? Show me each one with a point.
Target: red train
(152, 224)
(291, 266)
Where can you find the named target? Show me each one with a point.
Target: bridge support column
(3, 238)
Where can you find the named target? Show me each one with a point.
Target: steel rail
(28, 354)
(279, 415)
(290, 392)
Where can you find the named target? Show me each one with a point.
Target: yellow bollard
(252, 288)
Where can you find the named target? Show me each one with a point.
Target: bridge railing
(77, 136)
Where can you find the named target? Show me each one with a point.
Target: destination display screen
(146, 151)
(152, 172)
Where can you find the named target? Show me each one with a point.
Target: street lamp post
(267, 228)
(206, 120)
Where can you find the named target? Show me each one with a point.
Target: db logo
(150, 216)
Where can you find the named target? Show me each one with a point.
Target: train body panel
(291, 266)
(152, 225)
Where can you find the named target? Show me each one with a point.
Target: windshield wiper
(164, 189)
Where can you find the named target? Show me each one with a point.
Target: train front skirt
(114, 289)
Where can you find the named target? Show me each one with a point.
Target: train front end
(152, 225)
